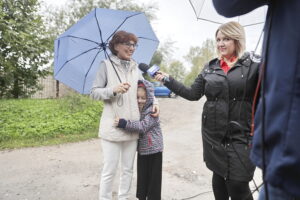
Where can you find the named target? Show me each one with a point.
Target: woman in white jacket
(119, 101)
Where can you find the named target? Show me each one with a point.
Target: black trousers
(223, 189)
(149, 175)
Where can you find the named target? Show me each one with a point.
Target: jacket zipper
(227, 109)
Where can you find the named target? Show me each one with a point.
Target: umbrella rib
(74, 58)
(105, 52)
(259, 40)
(148, 39)
(201, 7)
(71, 36)
(113, 66)
(193, 8)
(253, 24)
(90, 69)
(208, 20)
(98, 26)
(221, 23)
(121, 25)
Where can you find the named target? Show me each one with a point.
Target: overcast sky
(176, 20)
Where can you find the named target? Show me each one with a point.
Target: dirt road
(71, 171)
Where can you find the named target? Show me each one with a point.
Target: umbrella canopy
(253, 22)
(204, 10)
(79, 51)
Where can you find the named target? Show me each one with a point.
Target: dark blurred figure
(278, 110)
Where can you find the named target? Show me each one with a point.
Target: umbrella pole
(114, 106)
(259, 40)
(113, 65)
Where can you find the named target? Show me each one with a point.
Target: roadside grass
(39, 122)
(61, 139)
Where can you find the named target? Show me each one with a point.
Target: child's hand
(155, 111)
(120, 123)
(116, 121)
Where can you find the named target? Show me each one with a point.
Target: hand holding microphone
(154, 72)
(161, 76)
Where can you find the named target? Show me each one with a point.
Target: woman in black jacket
(229, 84)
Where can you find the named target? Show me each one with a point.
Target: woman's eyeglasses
(128, 44)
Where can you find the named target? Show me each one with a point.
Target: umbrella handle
(119, 104)
(116, 114)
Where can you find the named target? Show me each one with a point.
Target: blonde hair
(236, 32)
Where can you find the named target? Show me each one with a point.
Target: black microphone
(143, 67)
(152, 71)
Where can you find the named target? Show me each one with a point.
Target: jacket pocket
(209, 116)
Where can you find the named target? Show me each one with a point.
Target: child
(150, 144)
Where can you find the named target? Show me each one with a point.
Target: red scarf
(224, 65)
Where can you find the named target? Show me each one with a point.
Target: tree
(157, 58)
(197, 57)
(177, 70)
(166, 49)
(23, 48)
(162, 57)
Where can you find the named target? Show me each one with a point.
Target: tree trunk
(16, 90)
(57, 89)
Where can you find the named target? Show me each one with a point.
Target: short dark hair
(121, 37)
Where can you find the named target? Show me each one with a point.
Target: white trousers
(112, 153)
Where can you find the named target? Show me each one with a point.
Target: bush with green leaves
(23, 119)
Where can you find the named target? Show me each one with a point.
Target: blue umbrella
(79, 50)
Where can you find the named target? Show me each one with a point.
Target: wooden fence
(51, 89)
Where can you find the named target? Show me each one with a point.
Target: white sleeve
(99, 90)
(140, 73)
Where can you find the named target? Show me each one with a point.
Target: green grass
(21, 143)
(32, 122)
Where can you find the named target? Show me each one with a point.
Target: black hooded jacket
(226, 117)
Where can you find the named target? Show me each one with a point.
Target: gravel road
(71, 171)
